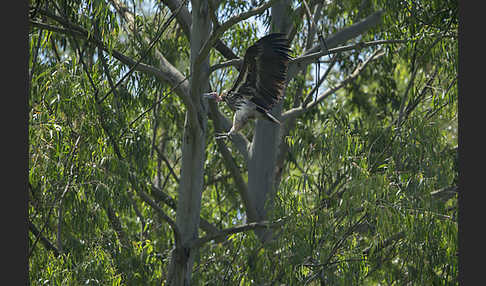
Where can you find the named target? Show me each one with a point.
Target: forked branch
(228, 24)
(294, 112)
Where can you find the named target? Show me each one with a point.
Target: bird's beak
(208, 95)
(211, 95)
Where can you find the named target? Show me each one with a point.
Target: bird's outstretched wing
(262, 76)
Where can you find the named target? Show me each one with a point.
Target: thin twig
(146, 198)
(166, 161)
(334, 262)
(147, 51)
(311, 24)
(47, 244)
(58, 197)
(212, 15)
(228, 24)
(196, 243)
(139, 215)
(166, 73)
(153, 105)
(107, 71)
(155, 123)
(294, 112)
(413, 103)
(234, 62)
(172, 203)
(97, 104)
(305, 59)
(144, 112)
(409, 87)
(321, 80)
(385, 243)
(116, 224)
(338, 244)
(143, 195)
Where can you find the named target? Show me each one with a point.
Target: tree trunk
(265, 143)
(193, 153)
(261, 169)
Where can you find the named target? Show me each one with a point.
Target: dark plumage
(260, 83)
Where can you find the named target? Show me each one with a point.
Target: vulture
(260, 83)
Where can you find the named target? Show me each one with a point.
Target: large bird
(260, 83)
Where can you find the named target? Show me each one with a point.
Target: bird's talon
(222, 136)
(268, 60)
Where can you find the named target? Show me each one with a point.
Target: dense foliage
(367, 194)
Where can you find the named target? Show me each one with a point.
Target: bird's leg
(222, 136)
(227, 135)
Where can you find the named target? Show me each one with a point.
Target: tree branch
(351, 31)
(212, 14)
(409, 86)
(166, 73)
(146, 198)
(170, 202)
(196, 243)
(299, 13)
(129, 17)
(59, 227)
(234, 62)
(139, 215)
(445, 194)
(345, 236)
(340, 37)
(321, 80)
(167, 163)
(47, 244)
(294, 112)
(107, 72)
(59, 196)
(311, 22)
(184, 19)
(226, 25)
(385, 243)
(36, 52)
(297, 63)
(146, 52)
(147, 111)
(117, 226)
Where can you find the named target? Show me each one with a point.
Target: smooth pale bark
(265, 144)
(263, 170)
(334, 40)
(262, 154)
(193, 153)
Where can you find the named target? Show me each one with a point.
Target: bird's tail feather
(265, 114)
(270, 117)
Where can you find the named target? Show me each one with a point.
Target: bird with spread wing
(260, 83)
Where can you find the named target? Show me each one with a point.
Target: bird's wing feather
(262, 76)
(266, 64)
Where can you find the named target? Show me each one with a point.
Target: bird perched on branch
(260, 83)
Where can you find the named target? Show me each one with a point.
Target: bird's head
(214, 95)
